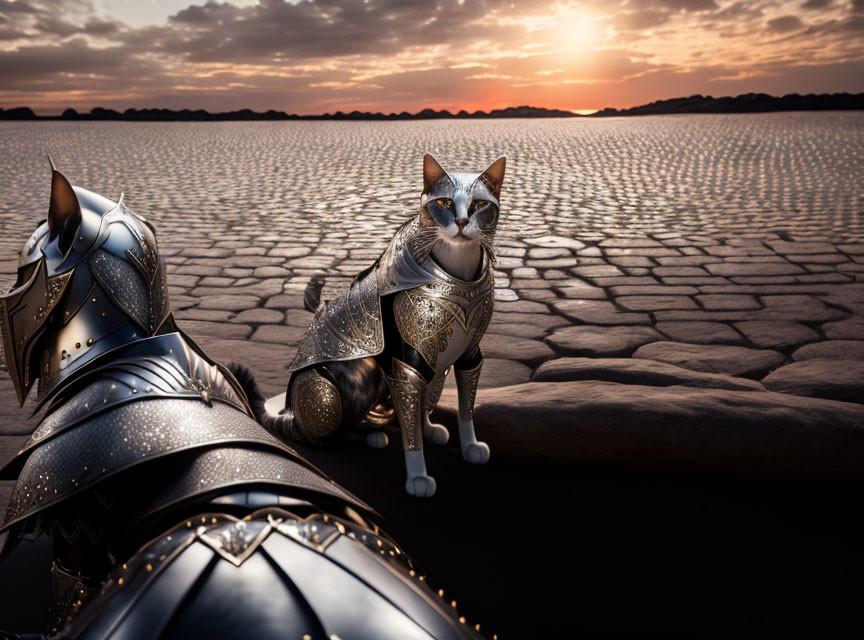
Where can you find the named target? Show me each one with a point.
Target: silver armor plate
(350, 327)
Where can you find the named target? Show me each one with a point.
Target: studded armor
(408, 390)
(142, 430)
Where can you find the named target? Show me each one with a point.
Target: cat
(171, 512)
(383, 348)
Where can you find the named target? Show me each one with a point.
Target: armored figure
(172, 513)
(384, 347)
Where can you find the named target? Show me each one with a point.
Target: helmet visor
(24, 312)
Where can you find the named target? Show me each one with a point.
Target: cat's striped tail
(312, 293)
(280, 424)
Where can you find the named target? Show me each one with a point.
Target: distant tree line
(746, 103)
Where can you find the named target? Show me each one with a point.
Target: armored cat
(385, 346)
(171, 512)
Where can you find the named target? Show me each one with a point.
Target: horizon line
(697, 103)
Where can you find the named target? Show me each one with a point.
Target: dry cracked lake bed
(674, 294)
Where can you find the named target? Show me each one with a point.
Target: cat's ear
(494, 175)
(432, 172)
(64, 213)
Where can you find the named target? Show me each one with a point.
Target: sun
(576, 31)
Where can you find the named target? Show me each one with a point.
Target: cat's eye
(484, 212)
(445, 203)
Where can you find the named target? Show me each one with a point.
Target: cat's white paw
(377, 440)
(435, 434)
(476, 453)
(421, 486)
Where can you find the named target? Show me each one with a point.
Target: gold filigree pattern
(408, 389)
(433, 391)
(466, 384)
(316, 405)
(479, 322)
(425, 323)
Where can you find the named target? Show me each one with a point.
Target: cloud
(785, 24)
(312, 56)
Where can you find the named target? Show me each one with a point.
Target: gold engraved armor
(425, 315)
(424, 323)
(466, 383)
(316, 405)
(351, 326)
(407, 390)
(433, 391)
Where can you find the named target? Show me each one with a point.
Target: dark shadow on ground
(527, 554)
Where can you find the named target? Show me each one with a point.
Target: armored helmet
(89, 281)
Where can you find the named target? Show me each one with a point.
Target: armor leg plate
(408, 391)
(316, 405)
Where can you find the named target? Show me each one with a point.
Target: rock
(700, 332)
(211, 315)
(259, 316)
(289, 252)
(597, 312)
(720, 302)
(830, 379)
(228, 302)
(508, 347)
(831, 350)
(736, 361)
(632, 371)
(776, 335)
(851, 329)
(554, 241)
(518, 329)
(655, 303)
(582, 290)
(740, 434)
(588, 340)
(545, 321)
(225, 330)
(784, 246)
(496, 372)
(285, 301)
(15, 420)
(753, 269)
(280, 334)
(597, 271)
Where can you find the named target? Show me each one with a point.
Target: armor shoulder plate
(127, 436)
(160, 367)
(345, 329)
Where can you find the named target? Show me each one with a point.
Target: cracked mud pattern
(721, 244)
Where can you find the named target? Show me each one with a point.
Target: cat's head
(89, 280)
(460, 209)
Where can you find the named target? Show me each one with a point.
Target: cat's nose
(461, 222)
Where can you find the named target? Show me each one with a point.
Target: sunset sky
(312, 56)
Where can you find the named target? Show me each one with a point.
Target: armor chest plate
(445, 318)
